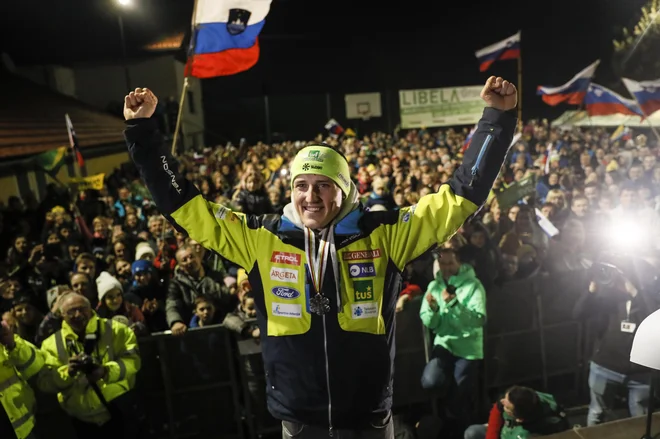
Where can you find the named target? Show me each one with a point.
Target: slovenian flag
(621, 133)
(601, 101)
(573, 91)
(646, 93)
(505, 49)
(225, 38)
(468, 139)
(334, 127)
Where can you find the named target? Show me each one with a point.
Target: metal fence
(205, 384)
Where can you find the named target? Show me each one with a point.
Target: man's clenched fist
(140, 103)
(500, 94)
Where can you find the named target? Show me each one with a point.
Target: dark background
(310, 48)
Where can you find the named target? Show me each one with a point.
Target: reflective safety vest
(116, 349)
(16, 367)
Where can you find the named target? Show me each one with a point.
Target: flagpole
(520, 120)
(186, 82)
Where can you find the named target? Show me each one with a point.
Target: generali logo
(285, 258)
(362, 254)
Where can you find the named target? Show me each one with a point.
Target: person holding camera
(455, 311)
(19, 361)
(617, 307)
(93, 363)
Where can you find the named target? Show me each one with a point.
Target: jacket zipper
(482, 151)
(327, 377)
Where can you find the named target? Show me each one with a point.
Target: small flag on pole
(334, 127)
(73, 141)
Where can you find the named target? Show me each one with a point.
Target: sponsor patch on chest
(291, 310)
(285, 258)
(361, 269)
(362, 255)
(285, 292)
(287, 275)
(363, 290)
(364, 310)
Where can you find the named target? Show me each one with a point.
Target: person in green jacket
(522, 413)
(455, 311)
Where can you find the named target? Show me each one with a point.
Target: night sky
(309, 46)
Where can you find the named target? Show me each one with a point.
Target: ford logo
(285, 292)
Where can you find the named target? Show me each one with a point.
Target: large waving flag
(601, 101)
(573, 91)
(505, 49)
(646, 93)
(225, 40)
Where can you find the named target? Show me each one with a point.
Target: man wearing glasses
(93, 363)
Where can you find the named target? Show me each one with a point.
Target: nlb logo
(362, 269)
(284, 275)
(285, 258)
(285, 293)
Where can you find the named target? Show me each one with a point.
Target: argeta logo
(284, 275)
(362, 269)
(285, 258)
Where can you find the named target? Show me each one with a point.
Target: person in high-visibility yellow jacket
(114, 350)
(19, 361)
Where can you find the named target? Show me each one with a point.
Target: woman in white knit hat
(112, 303)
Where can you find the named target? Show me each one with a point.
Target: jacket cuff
(507, 119)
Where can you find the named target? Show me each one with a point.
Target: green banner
(437, 107)
(516, 192)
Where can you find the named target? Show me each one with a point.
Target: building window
(191, 102)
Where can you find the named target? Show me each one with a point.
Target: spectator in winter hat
(144, 251)
(111, 300)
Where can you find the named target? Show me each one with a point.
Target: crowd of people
(111, 255)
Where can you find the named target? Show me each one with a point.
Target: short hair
(525, 402)
(203, 298)
(448, 251)
(578, 198)
(84, 256)
(67, 294)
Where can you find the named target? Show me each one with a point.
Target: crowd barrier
(197, 385)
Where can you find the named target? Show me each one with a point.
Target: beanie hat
(142, 249)
(241, 276)
(105, 283)
(139, 266)
(325, 161)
